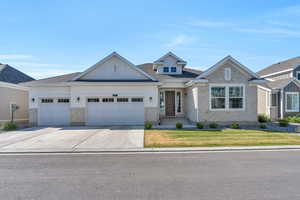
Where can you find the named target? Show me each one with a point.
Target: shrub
(179, 125)
(262, 118)
(200, 125)
(293, 119)
(235, 126)
(9, 126)
(148, 125)
(262, 126)
(213, 125)
(283, 122)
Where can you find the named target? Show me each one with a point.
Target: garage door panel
(115, 113)
(54, 114)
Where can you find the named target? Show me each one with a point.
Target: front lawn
(227, 137)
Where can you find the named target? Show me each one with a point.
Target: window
(298, 75)
(166, 69)
(63, 100)
(292, 102)
(227, 74)
(93, 100)
(47, 101)
(178, 102)
(218, 97)
(136, 99)
(173, 69)
(122, 99)
(105, 100)
(227, 97)
(274, 100)
(236, 97)
(162, 102)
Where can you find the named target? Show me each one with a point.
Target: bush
(9, 126)
(148, 125)
(293, 119)
(262, 118)
(200, 125)
(235, 126)
(213, 125)
(179, 125)
(262, 126)
(283, 122)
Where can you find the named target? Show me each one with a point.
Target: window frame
(286, 105)
(168, 70)
(227, 97)
(172, 69)
(297, 75)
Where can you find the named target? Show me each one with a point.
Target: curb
(153, 150)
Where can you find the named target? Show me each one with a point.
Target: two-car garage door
(115, 111)
(99, 111)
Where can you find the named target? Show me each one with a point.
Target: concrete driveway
(44, 139)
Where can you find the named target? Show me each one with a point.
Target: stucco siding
(77, 116)
(192, 103)
(13, 96)
(152, 115)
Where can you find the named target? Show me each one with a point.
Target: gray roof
(187, 73)
(278, 83)
(57, 79)
(281, 66)
(11, 75)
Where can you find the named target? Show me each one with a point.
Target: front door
(170, 103)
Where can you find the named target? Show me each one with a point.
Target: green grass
(228, 137)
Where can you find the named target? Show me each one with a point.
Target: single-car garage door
(54, 112)
(115, 111)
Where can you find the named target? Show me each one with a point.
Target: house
(283, 78)
(13, 94)
(116, 92)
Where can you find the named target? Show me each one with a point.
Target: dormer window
(298, 75)
(166, 69)
(173, 69)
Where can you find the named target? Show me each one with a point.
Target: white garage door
(115, 111)
(54, 112)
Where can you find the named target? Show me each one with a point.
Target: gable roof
(56, 79)
(221, 62)
(107, 58)
(11, 75)
(172, 55)
(283, 66)
(186, 72)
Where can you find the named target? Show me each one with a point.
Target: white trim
(221, 62)
(107, 58)
(190, 83)
(26, 119)
(294, 80)
(258, 81)
(13, 86)
(227, 97)
(264, 88)
(275, 73)
(172, 55)
(227, 73)
(281, 104)
(82, 83)
(292, 93)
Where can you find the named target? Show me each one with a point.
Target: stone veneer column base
(77, 116)
(33, 116)
(152, 114)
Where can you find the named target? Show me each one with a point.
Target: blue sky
(47, 38)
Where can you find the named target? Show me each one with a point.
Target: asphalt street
(211, 175)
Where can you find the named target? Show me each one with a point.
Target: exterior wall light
(150, 98)
(78, 99)
(32, 99)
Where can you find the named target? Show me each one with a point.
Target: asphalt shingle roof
(281, 66)
(278, 83)
(11, 75)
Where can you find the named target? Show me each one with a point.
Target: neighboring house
(116, 92)
(13, 94)
(283, 78)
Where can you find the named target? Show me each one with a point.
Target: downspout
(281, 104)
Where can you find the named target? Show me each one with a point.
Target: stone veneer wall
(77, 116)
(152, 115)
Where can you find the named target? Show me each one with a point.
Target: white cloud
(179, 40)
(271, 31)
(15, 56)
(209, 24)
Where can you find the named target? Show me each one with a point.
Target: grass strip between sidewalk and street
(217, 138)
